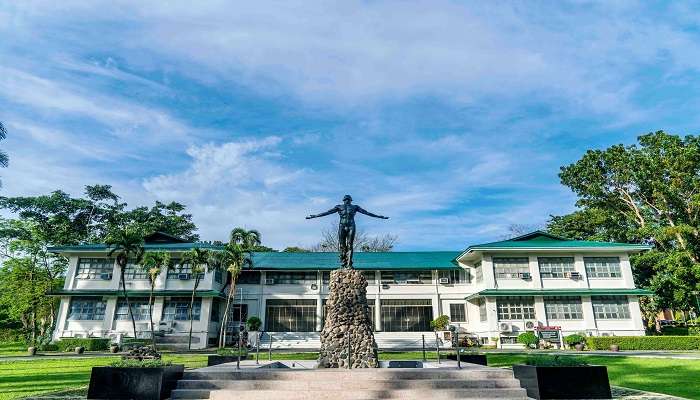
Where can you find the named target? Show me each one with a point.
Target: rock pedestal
(347, 314)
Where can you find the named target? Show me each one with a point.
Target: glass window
(95, 268)
(406, 315)
(249, 278)
(555, 267)
(292, 277)
(482, 310)
(509, 339)
(215, 310)
(478, 272)
(290, 315)
(181, 271)
(456, 275)
(602, 267)
(369, 275)
(511, 267)
(563, 307)
(139, 306)
(87, 309)
(176, 309)
(458, 312)
(407, 277)
(134, 271)
(610, 307)
(515, 308)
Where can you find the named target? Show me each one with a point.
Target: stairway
(471, 382)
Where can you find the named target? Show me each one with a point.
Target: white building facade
(491, 292)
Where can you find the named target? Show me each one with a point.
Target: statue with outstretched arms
(346, 227)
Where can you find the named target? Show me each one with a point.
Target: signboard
(549, 333)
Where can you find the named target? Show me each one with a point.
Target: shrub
(529, 339)
(11, 335)
(90, 344)
(48, 347)
(555, 361)
(130, 363)
(254, 323)
(644, 342)
(440, 323)
(574, 339)
(229, 352)
(694, 330)
(675, 330)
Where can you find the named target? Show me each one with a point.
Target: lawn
(13, 349)
(671, 376)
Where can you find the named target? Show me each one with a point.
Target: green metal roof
(362, 261)
(137, 293)
(540, 240)
(147, 246)
(558, 292)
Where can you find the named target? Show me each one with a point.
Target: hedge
(90, 344)
(644, 342)
(680, 330)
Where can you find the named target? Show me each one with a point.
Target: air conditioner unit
(183, 277)
(525, 275)
(504, 327)
(530, 325)
(413, 281)
(269, 281)
(444, 281)
(314, 286)
(401, 282)
(106, 276)
(575, 275)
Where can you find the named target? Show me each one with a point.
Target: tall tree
(247, 239)
(126, 244)
(235, 259)
(198, 260)
(649, 193)
(154, 263)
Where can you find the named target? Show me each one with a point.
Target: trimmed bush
(694, 330)
(440, 323)
(574, 339)
(529, 339)
(254, 323)
(644, 342)
(90, 344)
(48, 347)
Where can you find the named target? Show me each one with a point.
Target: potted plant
(226, 355)
(254, 323)
(576, 341)
(562, 377)
(529, 339)
(440, 324)
(141, 374)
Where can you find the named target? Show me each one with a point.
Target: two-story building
(492, 291)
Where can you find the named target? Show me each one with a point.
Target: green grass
(8, 349)
(23, 378)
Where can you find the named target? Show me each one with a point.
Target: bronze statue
(346, 227)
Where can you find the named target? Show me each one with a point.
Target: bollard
(437, 347)
(257, 349)
(269, 353)
(424, 359)
(459, 355)
(349, 351)
(238, 359)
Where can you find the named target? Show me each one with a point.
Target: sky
(450, 117)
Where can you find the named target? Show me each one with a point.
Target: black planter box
(216, 360)
(134, 383)
(584, 382)
(469, 358)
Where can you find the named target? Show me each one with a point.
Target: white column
(487, 269)
(110, 310)
(636, 313)
(62, 317)
(540, 310)
(378, 302)
(580, 267)
(535, 271)
(71, 272)
(626, 270)
(589, 315)
(319, 312)
(263, 310)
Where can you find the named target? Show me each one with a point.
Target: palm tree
(247, 239)
(235, 258)
(198, 260)
(4, 158)
(127, 244)
(154, 262)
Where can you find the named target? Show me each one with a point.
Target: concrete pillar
(580, 267)
(588, 315)
(540, 311)
(489, 274)
(636, 313)
(110, 310)
(70, 273)
(535, 271)
(319, 312)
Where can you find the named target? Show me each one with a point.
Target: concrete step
(452, 394)
(191, 394)
(358, 384)
(341, 375)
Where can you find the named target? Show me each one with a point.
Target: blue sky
(451, 118)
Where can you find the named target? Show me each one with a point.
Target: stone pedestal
(347, 313)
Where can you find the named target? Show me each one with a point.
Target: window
(406, 315)
(292, 278)
(139, 307)
(478, 272)
(456, 275)
(509, 339)
(249, 278)
(176, 309)
(237, 316)
(215, 310)
(515, 308)
(87, 309)
(511, 267)
(563, 307)
(602, 267)
(181, 269)
(407, 277)
(369, 275)
(555, 267)
(482, 310)
(458, 312)
(93, 268)
(134, 271)
(290, 315)
(611, 307)
(218, 275)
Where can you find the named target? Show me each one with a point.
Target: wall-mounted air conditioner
(444, 281)
(505, 327)
(575, 275)
(525, 275)
(401, 282)
(107, 276)
(413, 281)
(314, 286)
(530, 325)
(269, 281)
